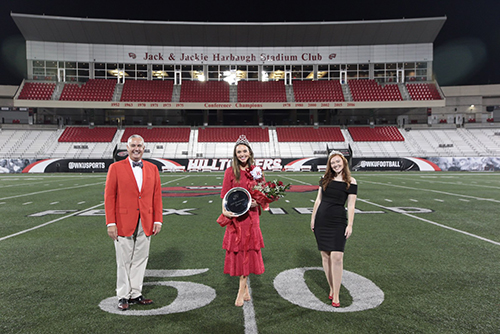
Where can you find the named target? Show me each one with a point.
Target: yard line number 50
(290, 285)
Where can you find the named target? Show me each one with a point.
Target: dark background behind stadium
(466, 51)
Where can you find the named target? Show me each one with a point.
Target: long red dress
(243, 239)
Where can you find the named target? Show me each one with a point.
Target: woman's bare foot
(239, 301)
(246, 296)
(242, 292)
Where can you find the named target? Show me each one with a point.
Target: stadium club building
(199, 79)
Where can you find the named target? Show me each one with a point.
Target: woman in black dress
(329, 222)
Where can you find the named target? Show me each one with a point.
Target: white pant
(132, 255)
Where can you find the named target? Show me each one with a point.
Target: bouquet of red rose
(266, 192)
(273, 190)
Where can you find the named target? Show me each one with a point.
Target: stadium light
(233, 76)
(160, 74)
(118, 73)
(265, 76)
(198, 75)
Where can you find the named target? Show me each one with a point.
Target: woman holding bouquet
(329, 222)
(243, 238)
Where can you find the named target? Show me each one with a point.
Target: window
(241, 72)
(186, 72)
(307, 72)
(198, 73)
(83, 71)
(335, 72)
(71, 75)
(323, 73)
(39, 70)
(253, 73)
(267, 70)
(352, 71)
(296, 72)
(213, 72)
(363, 71)
(421, 71)
(113, 70)
(160, 72)
(391, 72)
(130, 70)
(100, 70)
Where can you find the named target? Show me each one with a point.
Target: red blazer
(124, 203)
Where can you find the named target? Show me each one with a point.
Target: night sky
(466, 51)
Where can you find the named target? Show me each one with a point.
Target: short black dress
(331, 217)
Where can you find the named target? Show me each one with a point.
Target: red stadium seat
(384, 133)
(167, 134)
(92, 90)
(231, 134)
(84, 134)
(37, 91)
(309, 134)
(423, 91)
(208, 91)
(147, 91)
(255, 91)
(318, 91)
(370, 90)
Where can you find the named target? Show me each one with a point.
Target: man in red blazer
(134, 212)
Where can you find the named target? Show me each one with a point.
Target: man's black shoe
(123, 304)
(140, 300)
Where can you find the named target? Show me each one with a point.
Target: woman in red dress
(243, 239)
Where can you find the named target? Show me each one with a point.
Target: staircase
(117, 94)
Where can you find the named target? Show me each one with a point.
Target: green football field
(424, 257)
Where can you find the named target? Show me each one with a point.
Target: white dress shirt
(137, 173)
(138, 177)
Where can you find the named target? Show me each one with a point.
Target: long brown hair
(236, 163)
(330, 173)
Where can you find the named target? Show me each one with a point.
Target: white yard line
(50, 222)
(181, 178)
(249, 314)
(49, 179)
(248, 309)
(61, 218)
(435, 179)
(50, 190)
(22, 185)
(294, 180)
(45, 179)
(434, 191)
(433, 223)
